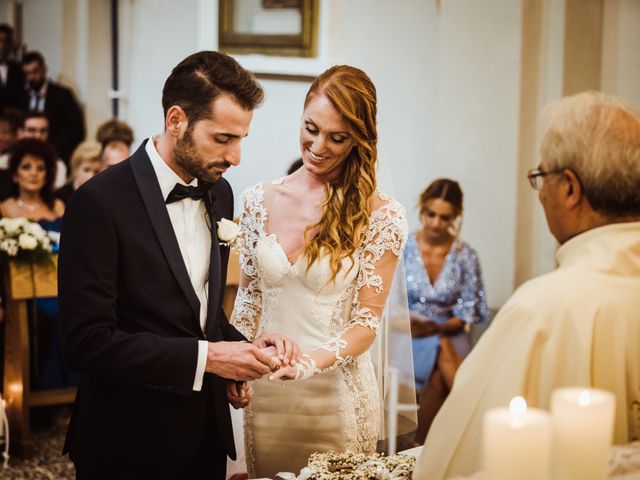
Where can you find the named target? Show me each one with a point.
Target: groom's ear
(176, 121)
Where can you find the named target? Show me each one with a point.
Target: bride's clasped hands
(282, 354)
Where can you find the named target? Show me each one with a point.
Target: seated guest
(445, 290)
(35, 125)
(85, 163)
(56, 102)
(32, 167)
(578, 325)
(116, 138)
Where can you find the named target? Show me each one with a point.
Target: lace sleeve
(247, 308)
(378, 257)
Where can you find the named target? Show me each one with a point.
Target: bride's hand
(288, 350)
(284, 373)
(273, 354)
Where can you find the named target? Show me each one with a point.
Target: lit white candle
(517, 442)
(582, 433)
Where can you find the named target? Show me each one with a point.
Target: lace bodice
(334, 404)
(345, 312)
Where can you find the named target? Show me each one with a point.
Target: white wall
(43, 30)
(477, 116)
(272, 143)
(156, 35)
(437, 117)
(621, 49)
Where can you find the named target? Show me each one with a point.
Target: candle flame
(518, 406)
(584, 400)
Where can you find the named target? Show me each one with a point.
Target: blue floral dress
(458, 292)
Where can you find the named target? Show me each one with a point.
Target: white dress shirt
(37, 99)
(188, 218)
(4, 73)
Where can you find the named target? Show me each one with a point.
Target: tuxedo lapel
(214, 269)
(154, 204)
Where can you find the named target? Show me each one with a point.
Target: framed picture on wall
(269, 27)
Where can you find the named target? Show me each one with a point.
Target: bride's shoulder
(381, 202)
(256, 193)
(260, 187)
(252, 195)
(253, 189)
(388, 215)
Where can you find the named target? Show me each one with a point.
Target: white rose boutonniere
(229, 234)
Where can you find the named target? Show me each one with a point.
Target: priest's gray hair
(597, 136)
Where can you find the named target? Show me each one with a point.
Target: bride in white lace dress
(320, 250)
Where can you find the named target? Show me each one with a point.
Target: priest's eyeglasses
(535, 176)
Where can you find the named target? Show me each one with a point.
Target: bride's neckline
(298, 254)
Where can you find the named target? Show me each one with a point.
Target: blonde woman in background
(320, 250)
(116, 138)
(85, 163)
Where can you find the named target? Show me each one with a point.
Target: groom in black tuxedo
(141, 278)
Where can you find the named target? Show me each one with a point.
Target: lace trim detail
(388, 230)
(364, 317)
(359, 401)
(361, 411)
(271, 303)
(335, 345)
(306, 368)
(247, 308)
(249, 300)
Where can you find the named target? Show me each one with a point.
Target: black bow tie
(181, 192)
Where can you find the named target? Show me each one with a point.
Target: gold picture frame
(271, 27)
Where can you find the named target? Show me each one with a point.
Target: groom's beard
(187, 157)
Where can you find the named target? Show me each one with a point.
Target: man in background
(36, 125)
(12, 92)
(66, 119)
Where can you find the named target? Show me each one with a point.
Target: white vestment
(576, 326)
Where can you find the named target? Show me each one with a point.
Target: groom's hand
(288, 350)
(238, 394)
(237, 361)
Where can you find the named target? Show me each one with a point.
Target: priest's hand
(238, 394)
(288, 350)
(237, 361)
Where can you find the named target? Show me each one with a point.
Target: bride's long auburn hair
(346, 210)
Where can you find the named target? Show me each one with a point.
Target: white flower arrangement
(229, 234)
(22, 239)
(354, 466)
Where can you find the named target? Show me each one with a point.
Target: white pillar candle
(582, 433)
(517, 442)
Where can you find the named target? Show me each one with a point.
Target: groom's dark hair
(198, 79)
